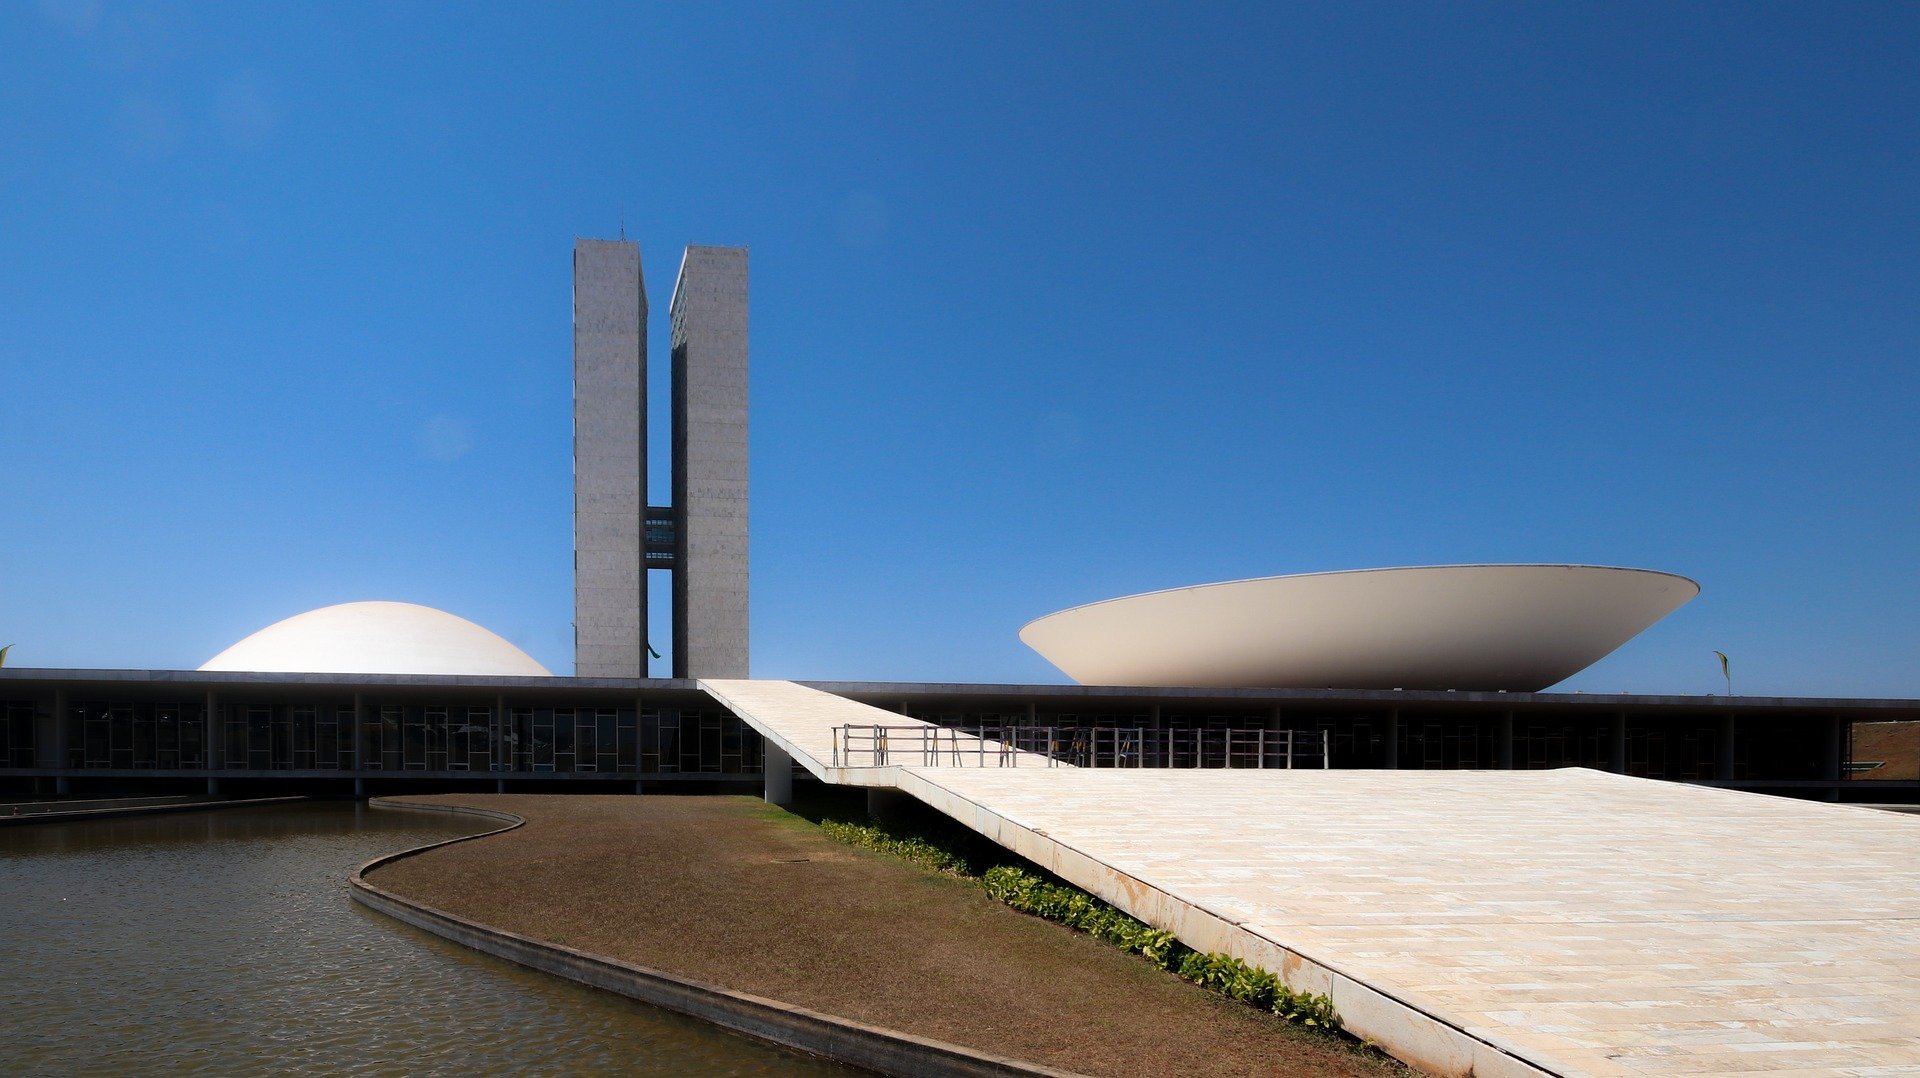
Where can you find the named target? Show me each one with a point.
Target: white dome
(1514, 627)
(377, 638)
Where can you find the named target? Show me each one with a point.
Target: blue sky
(1051, 303)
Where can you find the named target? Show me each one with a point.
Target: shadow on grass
(906, 818)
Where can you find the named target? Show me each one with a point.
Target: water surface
(225, 942)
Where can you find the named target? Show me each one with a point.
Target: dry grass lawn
(1895, 746)
(733, 892)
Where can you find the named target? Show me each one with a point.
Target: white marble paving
(1589, 923)
(1485, 921)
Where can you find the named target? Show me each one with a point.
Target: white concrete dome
(1515, 627)
(377, 638)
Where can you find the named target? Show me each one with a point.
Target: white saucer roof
(377, 638)
(1520, 628)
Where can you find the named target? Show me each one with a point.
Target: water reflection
(225, 942)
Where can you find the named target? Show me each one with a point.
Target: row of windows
(393, 737)
(455, 738)
(1683, 749)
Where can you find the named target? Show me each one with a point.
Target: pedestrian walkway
(1495, 922)
(840, 741)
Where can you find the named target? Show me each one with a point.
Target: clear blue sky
(1051, 303)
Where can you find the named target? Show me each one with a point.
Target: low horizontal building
(114, 731)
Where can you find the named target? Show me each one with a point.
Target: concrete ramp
(801, 722)
(804, 723)
(1489, 922)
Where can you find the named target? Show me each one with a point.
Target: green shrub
(1071, 906)
(918, 850)
(1306, 1008)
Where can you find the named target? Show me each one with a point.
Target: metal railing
(859, 745)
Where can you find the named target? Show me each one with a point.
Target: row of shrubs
(1075, 908)
(918, 850)
(1222, 973)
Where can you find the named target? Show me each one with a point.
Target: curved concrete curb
(872, 1047)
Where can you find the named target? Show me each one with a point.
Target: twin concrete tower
(701, 538)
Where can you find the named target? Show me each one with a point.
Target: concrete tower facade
(609, 459)
(709, 327)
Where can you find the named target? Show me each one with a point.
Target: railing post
(1263, 748)
(1326, 754)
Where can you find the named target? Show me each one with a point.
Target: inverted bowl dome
(1472, 627)
(377, 638)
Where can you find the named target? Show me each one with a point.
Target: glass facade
(681, 737)
(564, 730)
(16, 734)
(1777, 746)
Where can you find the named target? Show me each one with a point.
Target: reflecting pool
(225, 942)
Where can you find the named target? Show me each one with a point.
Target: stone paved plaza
(1571, 921)
(1584, 922)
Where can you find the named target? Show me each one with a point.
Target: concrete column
(1838, 730)
(640, 738)
(1393, 739)
(359, 731)
(1503, 741)
(500, 786)
(215, 741)
(501, 754)
(1724, 770)
(358, 752)
(778, 769)
(60, 725)
(1617, 756)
